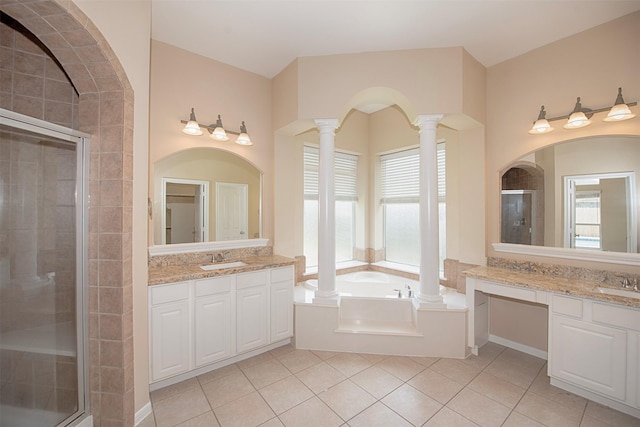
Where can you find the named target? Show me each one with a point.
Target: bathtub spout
(399, 292)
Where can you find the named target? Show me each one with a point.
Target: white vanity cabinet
(593, 347)
(213, 320)
(251, 311)
(281, 287)
(199, 324)
(170, 316)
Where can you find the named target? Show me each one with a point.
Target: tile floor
(288, 387)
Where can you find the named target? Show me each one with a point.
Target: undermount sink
(220, 265)
(620, 292)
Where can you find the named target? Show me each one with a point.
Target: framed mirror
(579, 195)
(206, 195)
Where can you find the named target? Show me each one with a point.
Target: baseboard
(143, 413)
(520, 347)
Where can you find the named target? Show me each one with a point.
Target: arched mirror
(205, 194)
(581, 194)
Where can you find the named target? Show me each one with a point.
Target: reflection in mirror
(215, 184)
(545, 200)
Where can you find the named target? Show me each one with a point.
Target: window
(400, 181)
(346, 197)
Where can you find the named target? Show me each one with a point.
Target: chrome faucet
(399, 292)
(409, 291)
(219, 257)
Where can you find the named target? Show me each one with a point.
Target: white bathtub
(374, 284)
(370, 318)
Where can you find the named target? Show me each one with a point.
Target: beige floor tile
(425, 361)
(312, 412)
(205, 420)
(320, 377)
(478, 408)
(298, 360)
(273, 422)
(347, 399)
(455, 370)
(611, 416)
(376, 381)
(593, 422)
(511, 371)
(436, 385)
(180, 408)
(285, 394)
(547, 411)
(349, 363)
(227, 389)
(542, 387)
(249, 410)
(281, 351)
(495, 388)
(266, 373)
(412, 405)
(448, 418)
(374, 358)
(255, 360)
(516, 419)
(378, 415)
(323, 354)
(173, 390)
(148, 421)
(218, 373)
(402, 367)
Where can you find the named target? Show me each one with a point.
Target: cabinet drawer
(282, 274)
(567, 306)
(255, 278)
(616, 316)
(168, 293)
(214, 285)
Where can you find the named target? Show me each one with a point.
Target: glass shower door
(42, 275)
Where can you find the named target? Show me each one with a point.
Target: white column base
(429, 301)
(326, 298)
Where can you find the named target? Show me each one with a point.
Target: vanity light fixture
(216, 130)
(620, 110)
(580, 116)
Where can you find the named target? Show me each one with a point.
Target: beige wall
(127, 28)
(602, 59)
(181, 80)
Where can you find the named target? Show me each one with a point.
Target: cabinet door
(170, 341)
(281, 311)
(252, 323)
(588, 355)
(212, 328)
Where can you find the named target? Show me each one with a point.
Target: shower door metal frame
(82, 142)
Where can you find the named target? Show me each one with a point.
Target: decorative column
(326, 293)
(429, 292)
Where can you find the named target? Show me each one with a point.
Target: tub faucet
(409, 291)
(399, 292)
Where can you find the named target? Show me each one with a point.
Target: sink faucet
(219, 257)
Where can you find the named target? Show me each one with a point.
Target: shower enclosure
(43, 272)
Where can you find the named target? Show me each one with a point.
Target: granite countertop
(555, 284)
(180, 273)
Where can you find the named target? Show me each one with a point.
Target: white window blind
(400, 176)
(345, 174)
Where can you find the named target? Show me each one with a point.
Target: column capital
(327, 124)
(426, 121)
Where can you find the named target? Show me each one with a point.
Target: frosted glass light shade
(219, 134)
(577, 120)
(243, 139)
(541, 126)
(619, 112)
(192, 128)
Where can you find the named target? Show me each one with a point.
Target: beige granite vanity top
(180, 273)
(550, 283)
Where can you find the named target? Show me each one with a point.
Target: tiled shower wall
(103, 109)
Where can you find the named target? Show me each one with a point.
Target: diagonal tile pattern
(289, 387)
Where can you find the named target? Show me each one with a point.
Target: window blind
(345, 174)
(400, 175)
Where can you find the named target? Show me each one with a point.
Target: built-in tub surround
(376, 315)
